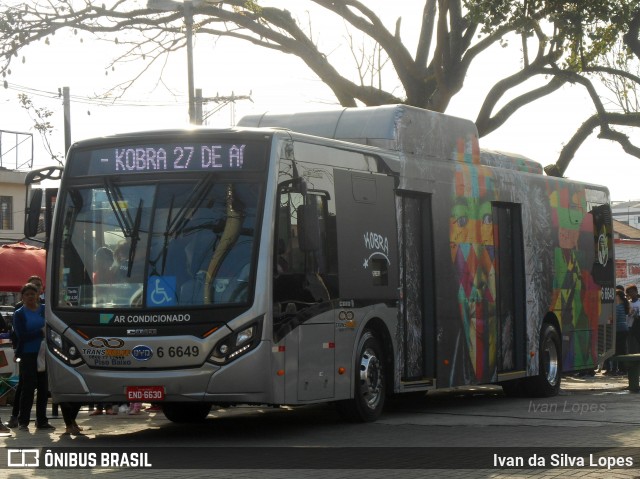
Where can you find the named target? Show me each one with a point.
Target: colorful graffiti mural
(576, 296)
(473, 255)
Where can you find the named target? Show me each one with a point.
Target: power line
(221, 102)
(87, 99)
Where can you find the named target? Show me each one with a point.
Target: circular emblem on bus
(603, 249)
(142, 353)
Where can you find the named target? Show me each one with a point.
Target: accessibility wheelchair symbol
(161, 291)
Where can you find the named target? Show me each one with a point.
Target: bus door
(368, 262)
(417, 308)
(510, 287)
(303, 286)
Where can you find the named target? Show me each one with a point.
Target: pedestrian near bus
(634, 318)
(622, 330)
(28, 323)
(69, 414)
(13, 420)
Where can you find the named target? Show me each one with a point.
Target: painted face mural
(576, 296)
(473, 255)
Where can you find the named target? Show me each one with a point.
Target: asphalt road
(468, 432)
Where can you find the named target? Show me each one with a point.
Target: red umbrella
(18, 261)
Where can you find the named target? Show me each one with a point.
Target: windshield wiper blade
(134, 238)
(71, 215)
(174, 226)
(114, 195)
(194, 200)
(165, 246)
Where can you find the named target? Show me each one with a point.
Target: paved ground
(589, 411)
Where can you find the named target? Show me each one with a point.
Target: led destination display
(170, 157)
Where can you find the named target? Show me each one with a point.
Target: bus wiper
(114, 195)
(71, 215)
(165, 246)
(134, 238)
(192, 203)
(175, 225)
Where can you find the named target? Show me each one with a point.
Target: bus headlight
(55, 338)
(63, 349)
(236, 344)
(245, 335)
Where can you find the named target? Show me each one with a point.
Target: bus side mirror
(308, 221)
(33, 214)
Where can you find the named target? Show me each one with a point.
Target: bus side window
(300, 248)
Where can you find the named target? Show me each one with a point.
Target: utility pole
(66, 103)
(221, 102)
(188, 20)
(186, 7)
(198, 106)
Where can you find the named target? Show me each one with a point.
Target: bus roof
(414, 132)
(402, 128)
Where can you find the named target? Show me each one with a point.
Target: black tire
(369, 383)
(186, 412)
(547, 382)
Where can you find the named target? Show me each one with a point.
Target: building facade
(627, 212)
(12, 205)
(627, 252)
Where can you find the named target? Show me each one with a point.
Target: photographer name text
(561, 460)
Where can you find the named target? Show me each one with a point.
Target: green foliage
(585, 29)
(564, 41)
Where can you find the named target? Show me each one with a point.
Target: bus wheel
(547, 383)
(186, 412)
(369, 383)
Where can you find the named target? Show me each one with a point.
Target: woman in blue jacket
(28, 323)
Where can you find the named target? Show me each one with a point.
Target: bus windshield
(157, 245)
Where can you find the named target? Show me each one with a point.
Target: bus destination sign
(178, 157)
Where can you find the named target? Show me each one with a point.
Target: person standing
(622, 329)
(69, 414)
(104, 273)
(634, 318)
(28, 322)
(13, 420)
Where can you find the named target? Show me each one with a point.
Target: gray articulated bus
(338, 256)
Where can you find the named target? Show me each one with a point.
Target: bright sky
(279, 82)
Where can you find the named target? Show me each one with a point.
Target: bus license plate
(145, 393)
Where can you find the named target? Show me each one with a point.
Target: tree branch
(487, 123)
(586, 129)
(632, 37)
(426, 33)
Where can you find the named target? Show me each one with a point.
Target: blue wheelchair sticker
(161, 291)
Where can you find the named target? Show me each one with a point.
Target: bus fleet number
(607, 295)
(178, 351)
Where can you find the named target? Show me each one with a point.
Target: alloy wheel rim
(371, 378)
(551, 354)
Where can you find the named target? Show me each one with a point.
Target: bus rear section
(503, 275)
